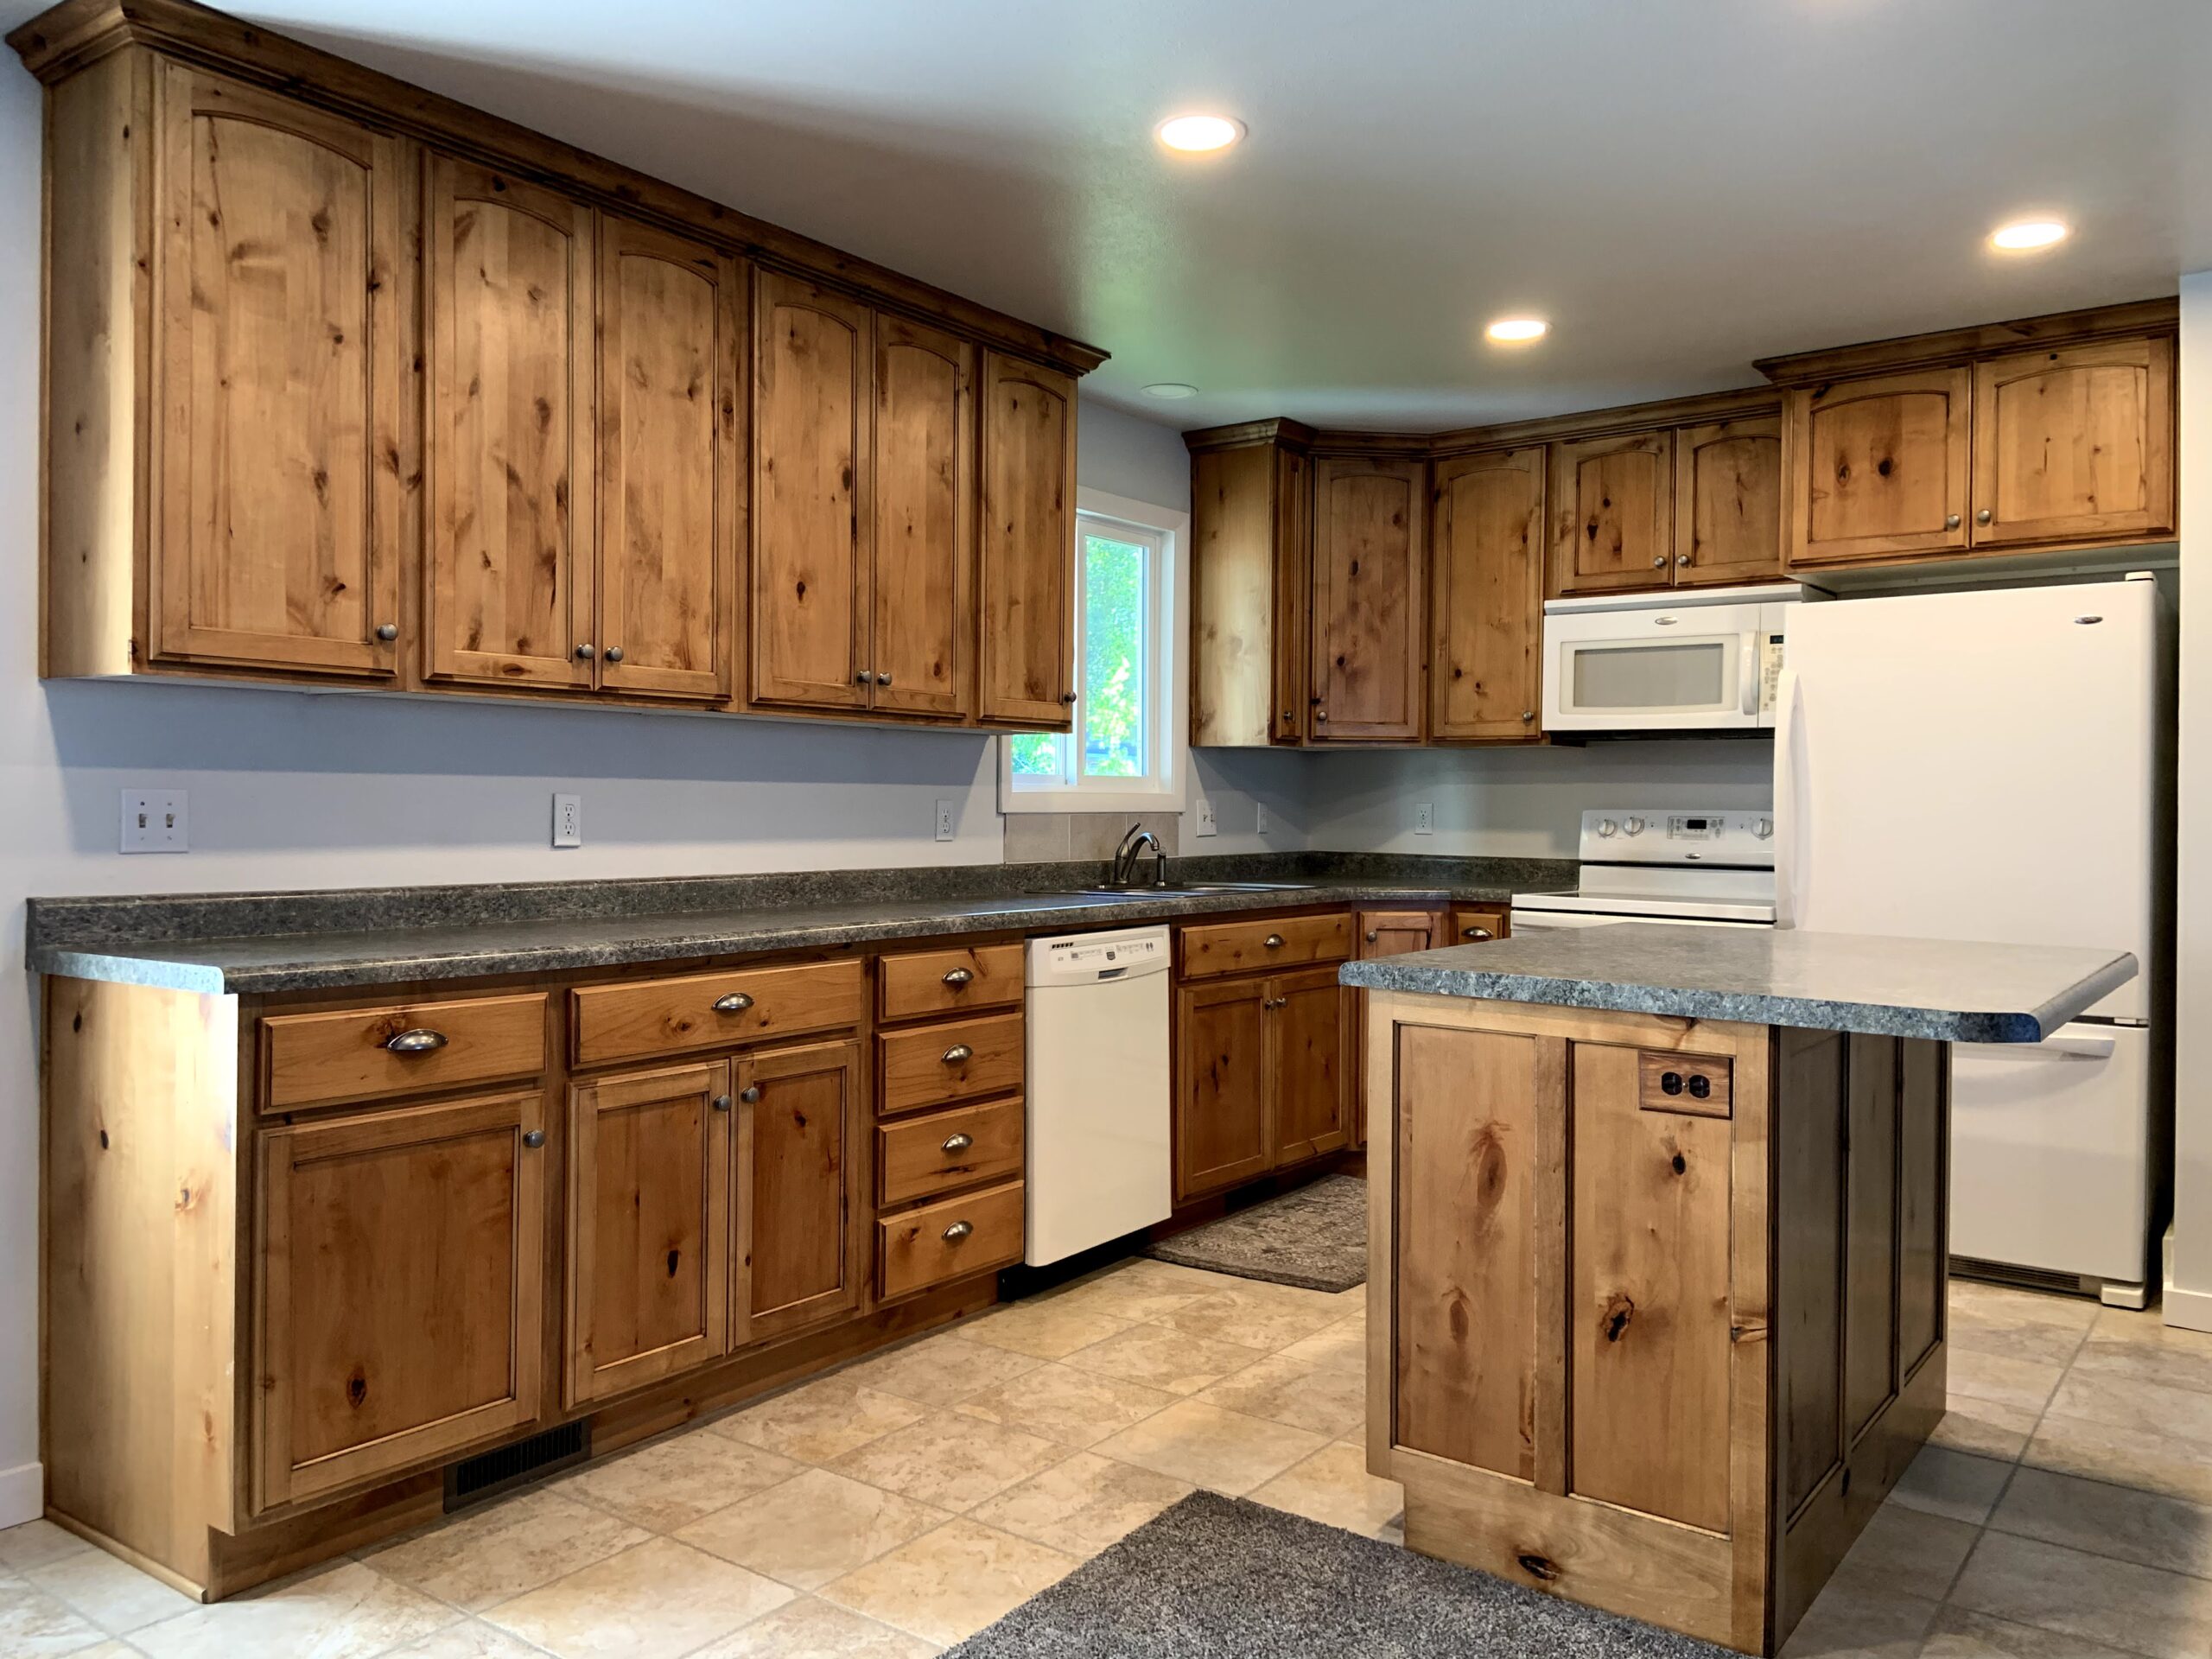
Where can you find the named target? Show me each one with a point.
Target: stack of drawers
(948, 1099)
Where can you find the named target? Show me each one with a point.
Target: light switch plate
(1424, 817)
(944, 820)
(156, 821)
(1206, 826)
(568, 820)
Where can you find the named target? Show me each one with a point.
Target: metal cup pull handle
(735, 1002)
(959, 1230)
(420, 1040)
(958, 1143)
(959, 1054)
(1477, 933)
(959, 976)
(1274, 942)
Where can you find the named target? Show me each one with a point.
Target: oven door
(1671, 668)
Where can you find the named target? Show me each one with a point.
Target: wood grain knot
(1538, 1567)
(674, 1256)
(1618, 1313)
(357, 1390)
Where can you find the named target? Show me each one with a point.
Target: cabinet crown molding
(1466, 440)
(69, 37)
(2137, 317)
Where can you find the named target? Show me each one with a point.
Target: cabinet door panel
(1221, 1131)
(279, 442)
(798, 1258)
(1027, 643)
(808, 605)
(669, 458)
(1369, 575)
(648, 1221)
(2075, 444)
(1489, 596)
(1309, 1062)
(1728, 502)
(399, 1259)
(922, 568)
(1877, 467)
(1612, 512)
(507, 586)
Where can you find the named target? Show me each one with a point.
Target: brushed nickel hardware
(2086, 621)
(1478, 934)
(1371, 936)
(1126, 855)
(1528, 715)
(1273, 942)
(1659, 562)
(1982, 518)
(959, 1054)
(750, 1093)
(1320, 713)
(387, 631)
(720, 1103)
(614, 653)
(420, 1040)
(533, 1139)
(735, 1003)
(584, 652)
(1682, 559)
(883, 679)
(957, 1143)
(1951, 522)
(863, 678)
(959, 1230)
(959, 976)
(1067, 696)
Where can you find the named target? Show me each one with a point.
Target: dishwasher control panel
(1082, 957)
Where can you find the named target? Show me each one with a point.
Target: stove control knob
(1762, 827)
(1634, 826)
(1608, 829)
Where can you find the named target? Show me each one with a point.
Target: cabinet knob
(720, 1103)
(1528, 716)
(750, 1093)
(883, 679)
(959, 1054)
(1951, 522)
(959, 1230)
(1371, 936)
(614, 653)
(1659, 562)
(584, 652)
(1320, 713)
(863, 677)
(1273, 942)
(735, 1002)
(1065, 696)
(1682, 559)
(1982, 518)
(420, 1040)
(1477, 934)
(387, 631)
(959, 976)
(533, 1139)
(957, 1143)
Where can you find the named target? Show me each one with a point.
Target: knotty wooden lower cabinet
(1657, 1315)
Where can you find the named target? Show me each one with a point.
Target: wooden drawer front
(1478, 925)
(1242, 947)
(326, 1059)
(924, 1156)
(948, 982)
(948, 1239)
(664, 1016)
(927, 1067)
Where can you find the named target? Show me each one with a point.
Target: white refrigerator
(1997, 765)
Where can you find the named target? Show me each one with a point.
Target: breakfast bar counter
(1658, 1246)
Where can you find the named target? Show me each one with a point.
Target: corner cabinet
(1027, 645)
(1252, 527)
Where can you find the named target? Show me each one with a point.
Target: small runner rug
(1315, 1237)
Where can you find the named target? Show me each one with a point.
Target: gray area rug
(1315, 1237)
(1224, 1578)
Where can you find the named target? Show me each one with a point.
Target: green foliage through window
(1113, 657)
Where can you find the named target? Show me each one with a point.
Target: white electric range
(1646, 864)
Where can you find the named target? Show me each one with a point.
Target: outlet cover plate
(1424, 817)
(568, 820)
(944, 830)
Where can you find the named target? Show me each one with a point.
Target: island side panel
(1862, 1131)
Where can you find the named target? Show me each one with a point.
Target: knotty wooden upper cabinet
(920, 572)
(801, 1221)
(1369, 578)
(670, 462)
(812, 366)
(649, 1260)
(1612, 507)
(2074, 444)
(1487, 595)
(399, 1260)
(276, 539)
(508, 450)
(1025, 648)
(1251, 521)
(1728, 502)
(1878, 466)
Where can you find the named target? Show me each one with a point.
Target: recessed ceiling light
(1199, 132)
(1518, 331)
(1170, 389)
(2025, 235)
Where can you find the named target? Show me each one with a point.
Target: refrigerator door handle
(2077, 1048)
(1789, 699)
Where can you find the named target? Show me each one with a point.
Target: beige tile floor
(897, 1506)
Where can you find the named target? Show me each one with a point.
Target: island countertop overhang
(1944, 990)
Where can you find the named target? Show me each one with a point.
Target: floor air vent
(2001, 1272)
(489, 1473)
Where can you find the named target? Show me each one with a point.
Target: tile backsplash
(1047, 837)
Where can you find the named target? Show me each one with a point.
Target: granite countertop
(1960, 993)
(256, 944)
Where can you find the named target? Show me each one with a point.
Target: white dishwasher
(1098, 1090)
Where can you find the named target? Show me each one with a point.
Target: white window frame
(1166, 693)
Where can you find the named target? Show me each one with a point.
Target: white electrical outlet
(568, 820)
(944, 820)
(1206, 824)
(154, 821)
(1262, 820)
(1424, 817)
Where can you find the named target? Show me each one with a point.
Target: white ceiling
(1679, 185)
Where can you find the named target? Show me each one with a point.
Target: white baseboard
(22, 1494)
(2190, 1309)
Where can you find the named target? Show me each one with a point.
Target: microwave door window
(1684, 676)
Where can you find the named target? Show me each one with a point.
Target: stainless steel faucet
(1125, 857)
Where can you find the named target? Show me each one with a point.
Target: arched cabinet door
(277, 536)
(922, 568)
(1877, 467)
(1370, 576)
(1027, 635)
(2074, 444)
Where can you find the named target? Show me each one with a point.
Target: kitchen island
(1656, 1298)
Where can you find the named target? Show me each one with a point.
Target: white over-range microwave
(1671, 662)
